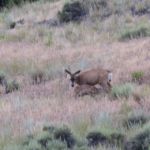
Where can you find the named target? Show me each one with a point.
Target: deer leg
(106, 86)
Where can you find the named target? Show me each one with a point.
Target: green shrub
(105, 138)
(99, 8)
(124, 90)
(44, 138)
(94, 138)
(134, 120)
(49, 39)
(135, 32)
(72, 12)
(65, 135)
(83, 147)
(117, 139)
(12, 25)
(13, 147)
(27, 140)
(33, 145)
(137, 76)
(140, 141)
(54, 70)
(10, 3)
(2, 78)
(11, 86)
(56, 145)
(140, 7)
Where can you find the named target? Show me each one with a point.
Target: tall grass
(122, 90)
(81, 46)
(135, 32)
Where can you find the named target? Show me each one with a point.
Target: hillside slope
(32, 48)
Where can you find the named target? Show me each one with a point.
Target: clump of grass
(11, 86)
(80, 126)
(2, 36)
(44, 138)
(140, 7)
(135, 32)
(64, 134)
(134, 120)
(2, 77)
(124, 90)
(48, 39)
(15, 37)
(82, 147)
(54, 70)
(10, 3)
(56, 145)
(12, 25)
(139, 141)
(17, 66)
(13, 147)
(105, 136)
(37, 76)
(26, 140)
(94, 138)
(137, 76)
(99, 8)
(34, 145)
(124, 112)
(140, 93)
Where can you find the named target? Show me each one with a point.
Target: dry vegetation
(32, 50)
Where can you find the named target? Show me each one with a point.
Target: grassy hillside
(33, 43)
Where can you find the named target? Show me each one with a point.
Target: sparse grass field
(32, 49)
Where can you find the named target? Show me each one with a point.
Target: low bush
(99, 8)
(140, 141)
(44, 138)
(140, 7)
(10, 3)
(137, 76)
(27, 140)
(2, 77)
(124, 90)
(135, 32)
(74, 11)
(112, 138)
(134, 120)
(95, 138)
(11, 86)
(83, 147)
(65, 135)
(117, 139)
(56, 145)
(33, 145)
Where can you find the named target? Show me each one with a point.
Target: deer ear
(67, 71)
(77, 72)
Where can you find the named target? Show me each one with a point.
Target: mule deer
(91, 77)
(81, 90)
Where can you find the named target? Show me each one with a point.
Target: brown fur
(81, 90)
(91, 77)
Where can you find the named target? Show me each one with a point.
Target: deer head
(72, 76)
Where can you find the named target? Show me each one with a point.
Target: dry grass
(52, 102)
(78, 46)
